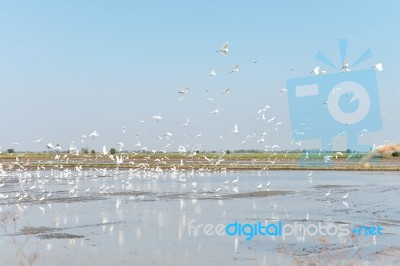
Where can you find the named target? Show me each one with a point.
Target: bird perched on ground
(345, 196)
(327, 195)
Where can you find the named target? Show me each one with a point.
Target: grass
(210, 161)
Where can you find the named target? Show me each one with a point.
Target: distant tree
(228, 152)
(10, 151)
(348, 151)
(113, 151)
(85, 150)
(93, 152)
(396, 154)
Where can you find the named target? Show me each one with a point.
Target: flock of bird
(265, 115)
(118, 180)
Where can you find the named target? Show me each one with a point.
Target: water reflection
(141, 209)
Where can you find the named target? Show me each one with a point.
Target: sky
(68, 68)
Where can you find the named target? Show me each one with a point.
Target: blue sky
(68, 68)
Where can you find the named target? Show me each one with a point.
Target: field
(204, 161)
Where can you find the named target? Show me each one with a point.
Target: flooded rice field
(105, 216)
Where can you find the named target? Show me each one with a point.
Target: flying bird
(212, 73)
(345, 66)
(272, 119)
(216, 111)
(50, 146)
(94, 134)
(224, 49)
(157, 117)
(82, 138)
(39, 140)
(317, 71)
(281, 91)
(120, 145)
(183, 92)
(235, 68)
(226, 91)
(378, 67)
(236, 131)
(186, 123)
(263, 110)
(168, 135)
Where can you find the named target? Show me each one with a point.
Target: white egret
(345, 196)
(345, 66)
(224, 49)
(183, 92)
(263, 110)
(327, 195)
(94, 134)
(186, 123)
(236, 131)
(157, 117)
(378, 67)
(212, 73)
(317, 71)
(235, 68)
(226, 91)
(281, 91)
(216, 111)
(104, 150)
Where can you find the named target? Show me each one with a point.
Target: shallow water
(100, 217)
